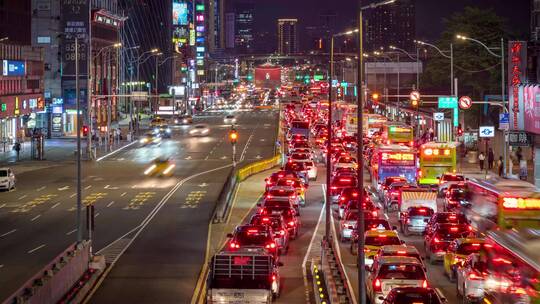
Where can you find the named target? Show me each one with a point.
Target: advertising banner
(529, 99)
(267, 76)
(75, 22)
(517, 69)
(180, 13)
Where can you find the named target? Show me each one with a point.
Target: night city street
(257, 151)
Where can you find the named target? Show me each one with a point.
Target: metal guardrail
(334, 275)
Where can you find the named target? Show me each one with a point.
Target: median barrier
(334, 275)
(54, 281)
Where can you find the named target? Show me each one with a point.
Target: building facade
(392, 24)
(239, 22)
(21, 91)
(287, 36)
(14, 21)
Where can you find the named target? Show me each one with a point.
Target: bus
(499, 203)
(393, 160)
(373, 123)
(398, 133)
(436, 158)
(511, 267)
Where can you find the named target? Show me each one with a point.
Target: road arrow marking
(63, 188)
(258, 157)
(203, 185)
(223, 157)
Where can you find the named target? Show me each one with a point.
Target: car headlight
(168, 130)
(176, 121)
(143, 140)
(185, 121)
(156, 130)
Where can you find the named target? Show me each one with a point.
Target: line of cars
(248, 266)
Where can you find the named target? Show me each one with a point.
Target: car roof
(470, 240)
(398, 260)
(281, 188)
(381, 232)
(395, 248)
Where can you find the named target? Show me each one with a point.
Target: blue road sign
(486, 131)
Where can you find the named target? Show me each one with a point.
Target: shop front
(18, 116)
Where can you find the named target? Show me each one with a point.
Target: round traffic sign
(465, 102)
(415, 95)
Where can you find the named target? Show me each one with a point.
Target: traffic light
(414, 103)
(233, 136)
(85, 130)
(375, 96)
(459, 130)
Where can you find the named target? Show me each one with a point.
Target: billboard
(267, 76)
(75, 20)
(180, 13)
(13, 68)
(517, 69)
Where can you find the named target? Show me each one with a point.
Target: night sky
(429, 13)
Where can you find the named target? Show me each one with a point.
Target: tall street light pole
(329, 139)
(359, 155)
(503, 84)
(443, 53)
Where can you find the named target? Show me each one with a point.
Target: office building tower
(287, 36)
(392, 24)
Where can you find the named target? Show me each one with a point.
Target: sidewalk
(473, 170)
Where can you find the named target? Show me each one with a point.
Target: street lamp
(453, 90)
(360, 148)
(504, 101)
(329, 139)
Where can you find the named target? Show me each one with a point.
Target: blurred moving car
(414, 295)
(7, 179)
(199, 130)
(457, 252)
(157, 121)
(150, 139)
(164, 131)
(229, 119)
(471, 278)
(160, 167)
(183, 120)
(448, 179)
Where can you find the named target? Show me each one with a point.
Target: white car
(470, 279)
(7, 179)
(199, 130)
(312, 170)
(389, 272)
(229, 119)
(448, 179)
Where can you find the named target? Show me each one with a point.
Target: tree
(478, 72)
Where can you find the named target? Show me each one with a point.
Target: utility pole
(78, 126)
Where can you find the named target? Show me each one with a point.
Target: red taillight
(269, 196)
(274, 278)
(333, 188)
(436, 240)
(234, 245)
(401, 252)
(474, 276)
(291, 223)
(425, 284)
(377, 285)
(374, 213)
(454, 229)
(470, 227)
(282, 232)
(271, 246)
(265, 219)
(342, 198)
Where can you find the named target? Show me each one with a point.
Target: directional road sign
(465, 102)
(486, 131)
(438, 116)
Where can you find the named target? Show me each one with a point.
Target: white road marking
(96, 215)
(87, 187)
(73, 195)
(2, 266)
(20, 198)
(71, 232)
(223, 157)
(386, 216)
(203, 185)
(63, 188)
(116, 151)
(8, 233)
(2, 206)
(110, 204)
(37, 248)
(123, 194)
(188, 158)
(206, 158)
(55, 205)
(41, 188)
(35, 217)
(258, 157)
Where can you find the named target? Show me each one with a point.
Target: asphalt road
(435, 273)
(164, 259)
(38, 218)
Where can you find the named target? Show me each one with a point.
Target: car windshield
(277, 203)
(200, 127)
(274, 222)
(288, 182)
(345, 182)
(452, 178)
(382, 240)
(281, 192)
(451, 218)
(420, 212)
(300, 156)
(451, 233)
(391, 180)
(376, 224)
(468, 248)
(458, 194)
(416, 297)
(401, 272)
(229, 116)
(300, 125)
(295, 166)
(252, 237)
(3, 173)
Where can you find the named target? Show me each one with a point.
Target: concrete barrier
(55, 280)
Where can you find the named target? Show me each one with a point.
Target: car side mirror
(229, 235)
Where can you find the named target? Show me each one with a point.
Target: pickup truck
(245, 276)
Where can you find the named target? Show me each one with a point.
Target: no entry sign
(465, 102)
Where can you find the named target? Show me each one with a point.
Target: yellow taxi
(157, 122)
(375, 239)
(457, 252)
(297, 184)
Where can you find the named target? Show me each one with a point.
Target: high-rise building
(239, 33)
(392, 24)
(287, 36)
(15, 20)
(535, 20)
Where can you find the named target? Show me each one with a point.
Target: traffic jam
(422, 218)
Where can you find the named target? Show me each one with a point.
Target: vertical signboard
(75, 22)
(517, 67)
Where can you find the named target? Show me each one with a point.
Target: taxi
(298, 184)
(457, 252)
(375, 239)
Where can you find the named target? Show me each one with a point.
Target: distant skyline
(429, 15)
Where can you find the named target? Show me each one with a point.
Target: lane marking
(1, 265)
(96, 215)
(8, 233)
(20, 198)
(35, 217)
(71, 232)
(386, 216)
(139, 228)
(73, 195)
(304, 261)
(41, 188)
(87, 187)
(116, 151)
(55, 205)
(110, 204)
(2, 206)
(123, 194)
(37, 248)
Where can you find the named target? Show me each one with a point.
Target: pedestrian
(491, 159)
(481, 158)
(17, 148)
(500, 165)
